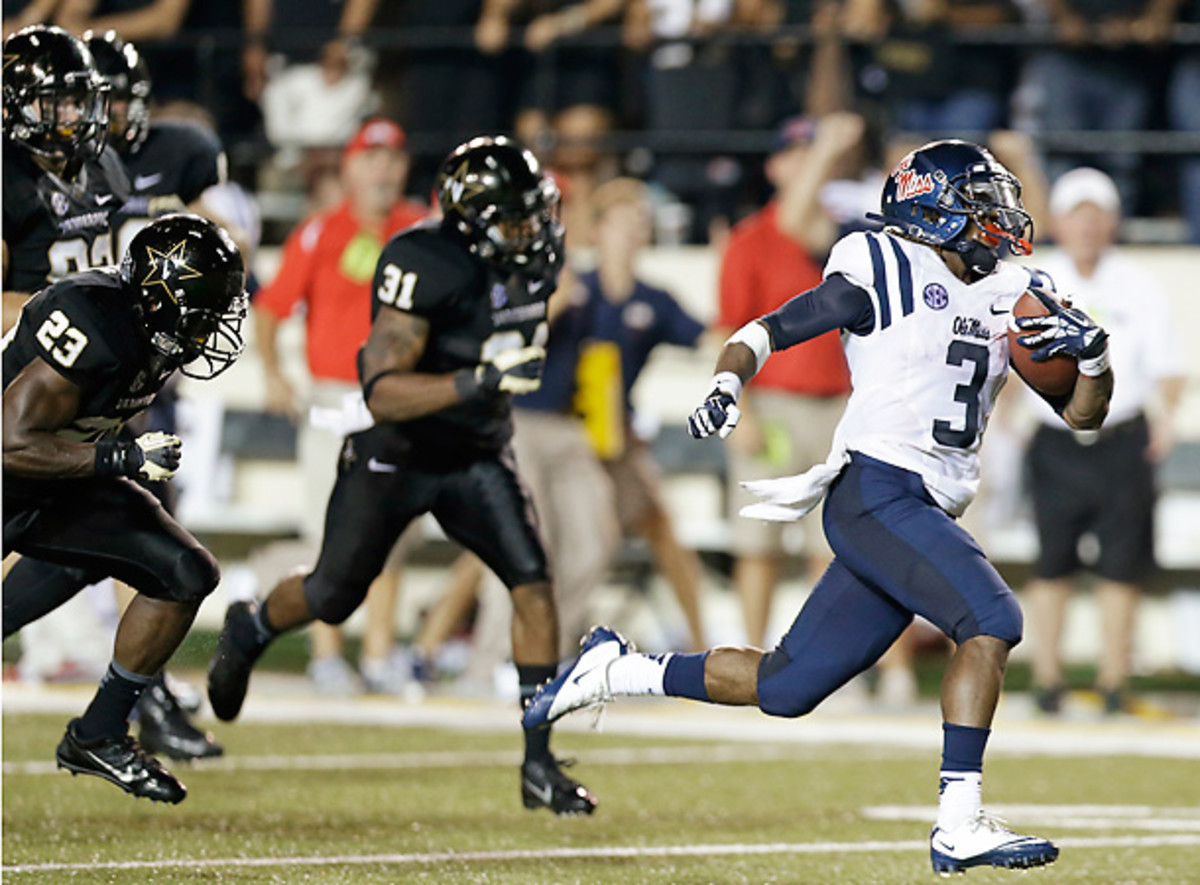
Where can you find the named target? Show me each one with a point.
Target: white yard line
(598, 853)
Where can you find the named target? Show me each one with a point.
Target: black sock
(530, 677)
(254, 636)
(107, 716)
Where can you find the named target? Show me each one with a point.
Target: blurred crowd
(683, 95)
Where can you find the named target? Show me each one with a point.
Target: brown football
(1054, 377)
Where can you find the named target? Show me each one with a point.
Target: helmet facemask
(528, 239)
(60, 123)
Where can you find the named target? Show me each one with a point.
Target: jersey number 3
(968, 394)
(62, 340)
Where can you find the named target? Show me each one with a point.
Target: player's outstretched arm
(738, 362)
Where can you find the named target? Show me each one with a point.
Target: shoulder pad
(419, 271)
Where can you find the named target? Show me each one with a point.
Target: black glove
(154, 456)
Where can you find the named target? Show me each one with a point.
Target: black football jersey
(85, 327)
(176, 163)
(54, 227)
(474, 313)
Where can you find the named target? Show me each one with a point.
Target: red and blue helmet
(937, 189)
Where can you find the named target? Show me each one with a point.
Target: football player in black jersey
(61, 184)
(87, 354)
(458, 325)
(170, 165)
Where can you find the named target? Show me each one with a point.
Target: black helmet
(494, 195)
(55, 102)
(189, 280)
(128, 78)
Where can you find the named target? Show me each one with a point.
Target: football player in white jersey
(923, 308)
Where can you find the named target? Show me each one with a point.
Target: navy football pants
(897, 554)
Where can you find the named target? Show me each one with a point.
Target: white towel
(789, 498)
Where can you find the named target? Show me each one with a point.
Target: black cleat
(238, 648)
(543, 785)
(120, 761)
(166, 731)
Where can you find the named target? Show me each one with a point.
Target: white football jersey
(926, 377)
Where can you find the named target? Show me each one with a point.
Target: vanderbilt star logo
(461, 187)
(167, 269)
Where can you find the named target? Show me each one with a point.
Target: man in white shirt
(1100, 483)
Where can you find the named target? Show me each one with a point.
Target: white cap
(1084, 185)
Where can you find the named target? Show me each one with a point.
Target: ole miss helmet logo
(909, 184)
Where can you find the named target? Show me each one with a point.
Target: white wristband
(1097, 365)
(755, 336)
(727, 382)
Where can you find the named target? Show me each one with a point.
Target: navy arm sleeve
(835, 304)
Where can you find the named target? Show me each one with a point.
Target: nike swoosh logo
(101, 199)
(144, 181)
(998, 313)
(380, 466)
(545, 793)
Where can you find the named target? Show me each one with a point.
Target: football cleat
(166, 731)
(583, 684)
(543, 785)
(120, 761)
(984, 840)
(238, 647)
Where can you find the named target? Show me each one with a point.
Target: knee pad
(1002, 619)
(779, 692)
(196, 574)
(329, 603)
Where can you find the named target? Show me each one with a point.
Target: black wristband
(118, 457)
(468, 384)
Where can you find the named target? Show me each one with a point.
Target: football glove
(1065, 331)
(511, 371)
(719, 412)
(153, 456)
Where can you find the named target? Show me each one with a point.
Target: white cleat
(984, 840)
(583, 684)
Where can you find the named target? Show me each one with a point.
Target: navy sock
(107, 716)
(530, 677)
(684, 676)
(963, 746)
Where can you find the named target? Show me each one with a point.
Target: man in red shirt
(792, 407)
(327, 265)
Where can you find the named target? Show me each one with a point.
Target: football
(1054, 377)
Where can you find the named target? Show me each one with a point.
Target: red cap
(378, 132)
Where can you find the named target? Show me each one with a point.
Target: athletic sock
(107, 716)
(961, 781)
(684, 676)
(264, 632)
(530, 677)
(637, 674)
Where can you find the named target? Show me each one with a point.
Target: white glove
(719, 412)
(160, 455)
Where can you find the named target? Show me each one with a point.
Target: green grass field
(329, 803)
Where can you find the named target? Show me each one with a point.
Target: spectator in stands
(1101, 482)
(1183, 112)
(327, 266)
(140, 21)
(790, 410)
(625, 319)
(691, 86)
(1098, 78)
(910, 56)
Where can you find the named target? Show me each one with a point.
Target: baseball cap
(793, 131)
(378, 132)
(1084, 185)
